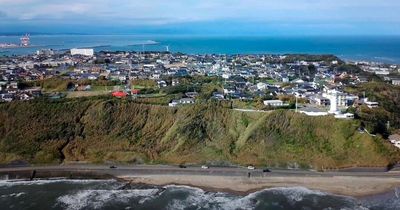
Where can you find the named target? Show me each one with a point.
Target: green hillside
(388, 96)
(102, 129)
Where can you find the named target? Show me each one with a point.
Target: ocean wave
(11, 183)
(15, 195)
(177, 197)
(95, 199)
(208, 200)
(112, 194)
(294, 194)
(388, 200)
(298, 196)
(385, 58)
(290, 196)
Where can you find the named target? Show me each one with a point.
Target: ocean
(110, 195)
(384, 49)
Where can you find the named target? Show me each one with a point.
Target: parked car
(182, 166)
(251, 167)
(113, 166)
(204, 167)
(266, 170)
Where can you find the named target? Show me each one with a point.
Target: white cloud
(176, 11)
(52, 11)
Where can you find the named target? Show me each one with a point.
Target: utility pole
(296, 96)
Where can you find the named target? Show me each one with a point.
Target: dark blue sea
(113, 195)
(358, 48)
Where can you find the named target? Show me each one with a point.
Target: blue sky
(215, 17)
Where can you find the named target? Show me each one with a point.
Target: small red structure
(119, 94)
(135, 91)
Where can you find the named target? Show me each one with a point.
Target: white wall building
(274, 103)
(175, 103)
(344, 116)
(371, 104)
(285, 79)
(396, 82)
(343, 100)
(262, 86)
(333, 96)
(85, 52)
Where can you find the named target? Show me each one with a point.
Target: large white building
(343, 100)
(333, 97)
(85, 52)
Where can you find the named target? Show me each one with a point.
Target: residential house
(274, 103)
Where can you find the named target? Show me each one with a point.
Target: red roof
(135, 91)
(119, 94)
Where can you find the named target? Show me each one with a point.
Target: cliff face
(100, 130)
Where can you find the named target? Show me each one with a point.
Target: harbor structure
(25, 40)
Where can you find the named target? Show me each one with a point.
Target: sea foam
(95, 199)
(10, 183)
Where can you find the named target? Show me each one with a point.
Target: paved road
(131, 170)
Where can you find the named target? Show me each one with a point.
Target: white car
(251, 167)
(204, 167)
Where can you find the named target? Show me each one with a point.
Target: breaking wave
(11, 183)
(96, 199)
(177, 197)
(16, 195)
(111, 194)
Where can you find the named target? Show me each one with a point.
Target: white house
(298, 81)
(371, 104)
(285, 79)
(345, 116)
(396, 82)
(226, 75)
(183, 101)
(395, 140)
(274, 103)
(262, 86)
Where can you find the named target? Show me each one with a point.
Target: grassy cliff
(101, 130)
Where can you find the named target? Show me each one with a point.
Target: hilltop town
(316, 85)
(197, 98)
(275, 79)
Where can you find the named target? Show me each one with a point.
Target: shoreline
(230, 180)
(341, 186)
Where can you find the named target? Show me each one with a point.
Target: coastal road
(137, 170)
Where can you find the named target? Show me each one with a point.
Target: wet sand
(339, 185)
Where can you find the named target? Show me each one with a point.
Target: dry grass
(100, 130)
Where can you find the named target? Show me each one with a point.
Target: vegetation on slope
(376, 120)
(290, 58)
(101, 130)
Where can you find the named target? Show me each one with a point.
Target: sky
(202, 17)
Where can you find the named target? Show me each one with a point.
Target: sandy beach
(340, 185)
(234, 180)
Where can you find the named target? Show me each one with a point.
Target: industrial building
(85, 52)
